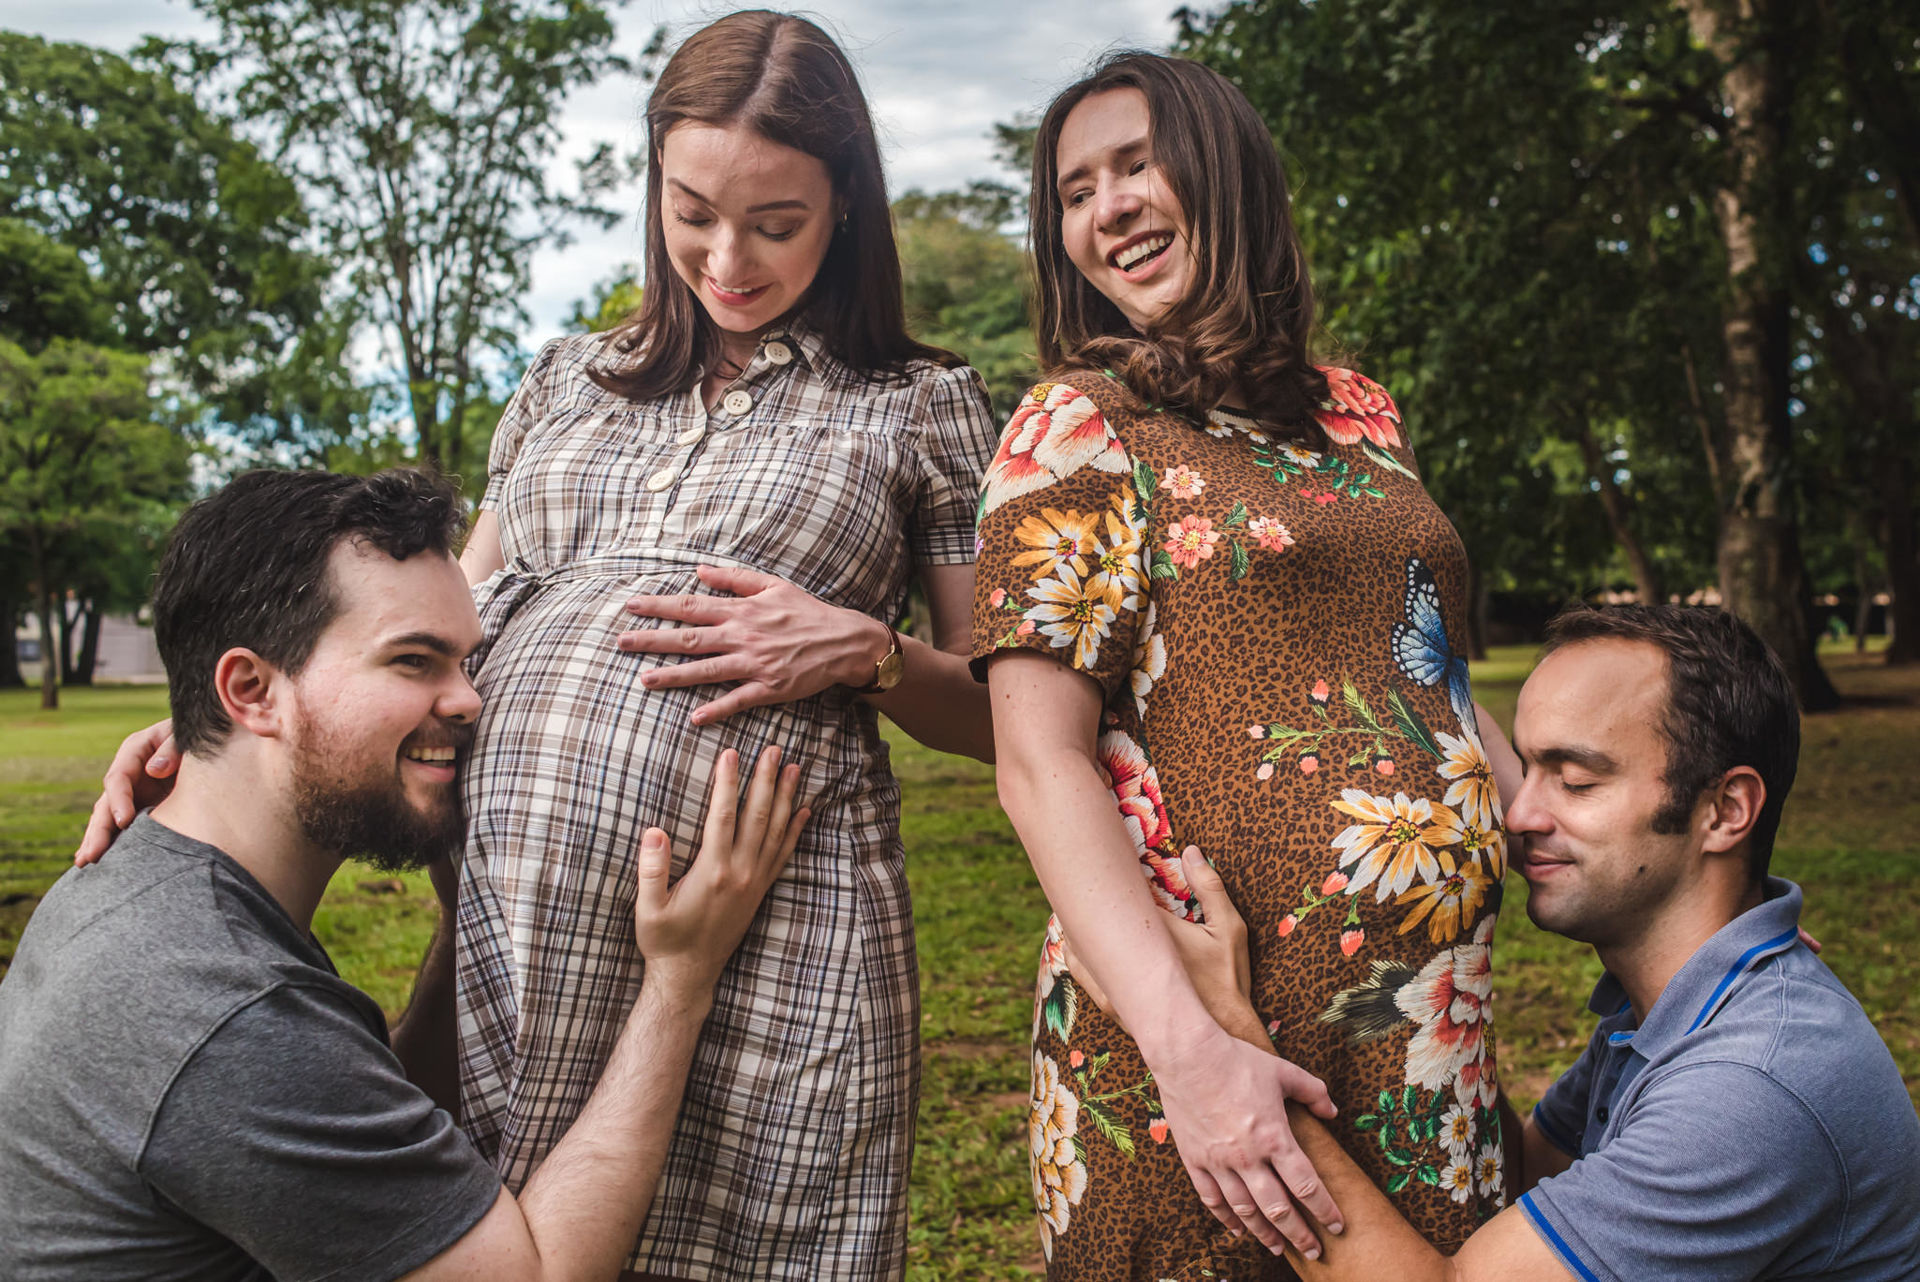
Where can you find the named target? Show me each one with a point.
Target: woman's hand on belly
(778, 642)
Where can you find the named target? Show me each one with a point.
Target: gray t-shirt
(1754, 1126)
(188, 1090)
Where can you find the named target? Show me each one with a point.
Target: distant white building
(127, 651)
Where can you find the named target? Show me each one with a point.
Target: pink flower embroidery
(1271, 535)
(1184, 482)
(1055, 432)
(1191, 541)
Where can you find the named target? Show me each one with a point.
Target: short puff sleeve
(956, 436)
(528, 406)
(1062, 565)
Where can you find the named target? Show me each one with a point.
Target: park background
(1641, 275)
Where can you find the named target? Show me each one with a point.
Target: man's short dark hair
(1729, 703)
(247, 567)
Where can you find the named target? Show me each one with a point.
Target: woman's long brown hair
(1247, 318)
(785, 79)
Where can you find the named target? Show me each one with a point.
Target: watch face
(888, 671)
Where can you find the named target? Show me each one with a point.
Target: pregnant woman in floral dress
(1267, 605)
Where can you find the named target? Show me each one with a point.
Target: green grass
(1847, 838)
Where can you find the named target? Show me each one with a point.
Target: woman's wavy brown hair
(787, 80)
(1247, 317)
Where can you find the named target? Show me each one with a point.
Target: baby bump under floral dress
(1276, 628)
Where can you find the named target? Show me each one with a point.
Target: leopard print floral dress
(1276, 630)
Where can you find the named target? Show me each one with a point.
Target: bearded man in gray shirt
(188, 1089)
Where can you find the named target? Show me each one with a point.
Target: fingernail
(1314, 1254)
(1336, 1228)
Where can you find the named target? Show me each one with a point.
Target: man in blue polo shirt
(1735, 1115)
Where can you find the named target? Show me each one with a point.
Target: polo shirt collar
(1697, 992)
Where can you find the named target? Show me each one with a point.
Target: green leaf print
(1163, 566)
(1386, 460)
(1117, 1135)
(1242, 563)
(1399, 1182)
(1238, 516)
(1412, 726)
(1144, 483)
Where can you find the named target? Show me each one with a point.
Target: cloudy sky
(939, 74)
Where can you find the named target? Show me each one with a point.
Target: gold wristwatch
(888, 668)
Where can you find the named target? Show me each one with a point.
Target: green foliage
(612, 302)
(190, 243)
(965, 283)
(422, 130)
(85, 470)
(1528, 256)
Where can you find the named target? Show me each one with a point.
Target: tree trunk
(10, 676)
(1476, 611)
(69, 610)
(89, 657)
(1619, 509)
(1903, 557)
(43, 599)
(1863, 594)
(1762, 574)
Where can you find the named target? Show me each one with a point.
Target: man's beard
(368, 816)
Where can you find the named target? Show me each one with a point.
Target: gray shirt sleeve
(293, 1132)
(1718, 1172)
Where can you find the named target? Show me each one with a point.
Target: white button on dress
(662, 479)
(779, 353)
(691, 435)
(737, 403)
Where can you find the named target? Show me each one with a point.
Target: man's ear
(1733, 807)
(251, 690)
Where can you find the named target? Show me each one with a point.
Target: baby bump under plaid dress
(790, 1154)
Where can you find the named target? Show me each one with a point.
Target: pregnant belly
(571, 750)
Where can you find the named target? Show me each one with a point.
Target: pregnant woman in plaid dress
(758, 464)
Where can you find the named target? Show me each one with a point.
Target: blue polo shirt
(1754, 1126)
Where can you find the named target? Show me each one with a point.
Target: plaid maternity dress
(790, 1153)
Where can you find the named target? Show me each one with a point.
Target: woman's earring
(845, 220)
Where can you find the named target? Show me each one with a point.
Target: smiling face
(747, 223)
(382, 711)
(1588, 732)
(1120, 222)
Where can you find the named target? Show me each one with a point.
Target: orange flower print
(1056, 538)
(1059, 1176)
(1446, 905)
(1395, 841)
(1356, 407)
(1191, 541)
